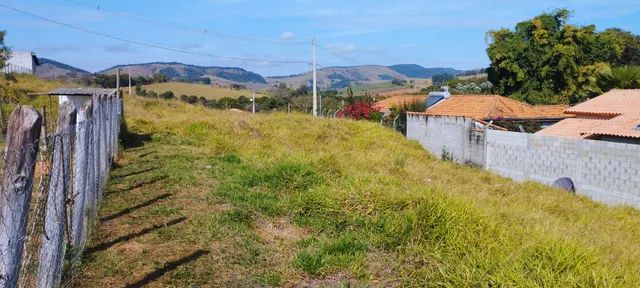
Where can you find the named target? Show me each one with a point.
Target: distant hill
(184, 72)
(50, 69)
(342, 77)
(417, 71)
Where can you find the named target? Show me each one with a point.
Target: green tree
(545, 60)
(4, 51)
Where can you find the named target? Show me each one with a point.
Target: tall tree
(545, 60)
(4, 51)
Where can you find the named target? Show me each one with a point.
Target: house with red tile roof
(613, 116)
(493, 108)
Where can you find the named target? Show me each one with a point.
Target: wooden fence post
(104, 144)
(96, 145)
(53, 240)
(114, 105)
(23, 132)
(81, 176)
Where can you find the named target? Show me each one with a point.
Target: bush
(168, 95)
(192, 99)
(358, 111)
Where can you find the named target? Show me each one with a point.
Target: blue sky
(430, 33)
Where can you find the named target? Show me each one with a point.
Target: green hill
(206, 198)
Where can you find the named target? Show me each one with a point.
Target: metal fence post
(17, 182)
(53, 240)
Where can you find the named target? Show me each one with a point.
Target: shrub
(358, 111)
(168, 95)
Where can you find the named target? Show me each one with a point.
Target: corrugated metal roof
(82, 91)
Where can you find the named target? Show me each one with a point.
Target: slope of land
(200, 90)
(341, 77)
(206, 198)
(417, 71)
(50, 69)
(184, 72)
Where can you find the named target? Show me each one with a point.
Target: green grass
(200, 90)
(373, 88)
(287, 200)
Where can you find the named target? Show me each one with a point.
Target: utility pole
(130, 81)
(253, 102)
(315, 76)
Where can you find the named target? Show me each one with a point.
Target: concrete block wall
(453, 134)
(604, 171)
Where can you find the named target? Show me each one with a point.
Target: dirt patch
(339, 279)
(130, 248)
(279, 230)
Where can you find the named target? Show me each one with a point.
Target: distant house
(21, 62)
(613, 116)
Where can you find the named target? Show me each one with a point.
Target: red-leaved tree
(358, 111)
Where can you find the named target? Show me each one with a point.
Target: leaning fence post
(23, 132)
(53, 240)
(81, 177)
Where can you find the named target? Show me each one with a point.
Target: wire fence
(51, 188)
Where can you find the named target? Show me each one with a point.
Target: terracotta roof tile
(614, 102)
(488, 107)
(615, 113)
(622, 126)
(386, 104)
(572, 127)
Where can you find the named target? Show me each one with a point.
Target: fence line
(48, 203)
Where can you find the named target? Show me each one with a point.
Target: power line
(150, 45)
(343, 57)
(185, 29)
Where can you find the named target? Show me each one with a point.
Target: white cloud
(287, 36)
(342, 48)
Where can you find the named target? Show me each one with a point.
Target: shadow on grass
(146, 154)
(138, 185)
(131, 139)
(107, 245)
(134, 208)
(168, 267)
(134, 173)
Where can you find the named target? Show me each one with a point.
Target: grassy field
(205, 198)
(200, 90)
(16, 92)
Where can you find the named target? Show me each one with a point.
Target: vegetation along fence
(52, 185)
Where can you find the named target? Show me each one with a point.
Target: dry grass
(200, 90)
(287, 200)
